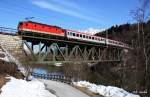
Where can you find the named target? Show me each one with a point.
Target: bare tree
(140, 15)
(76, 71)
(144, 14)
(28, 66)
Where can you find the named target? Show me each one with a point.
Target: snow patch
(58, 64)
(106, 91)
(22, 88)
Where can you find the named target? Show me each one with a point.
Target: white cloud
(92, 30)
(64, 7)
(71, 5)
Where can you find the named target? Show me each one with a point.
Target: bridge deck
(53, 49)
(46, 38)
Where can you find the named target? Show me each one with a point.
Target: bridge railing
(60, 78)
(4, 30)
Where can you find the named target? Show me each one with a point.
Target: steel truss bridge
(54, 49)
(48, 49)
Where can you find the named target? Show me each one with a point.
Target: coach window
(71, 34)
(87, 37)
(74, 34)
(77, 35)
(99, 39)
(92, 38)
(83, 36)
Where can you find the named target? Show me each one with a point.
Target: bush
(10, 69)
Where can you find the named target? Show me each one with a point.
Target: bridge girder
(55, 52)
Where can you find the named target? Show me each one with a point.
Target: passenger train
(29, 26)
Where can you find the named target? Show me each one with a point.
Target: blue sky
(69, 14)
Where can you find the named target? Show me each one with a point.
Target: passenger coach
(35, 27)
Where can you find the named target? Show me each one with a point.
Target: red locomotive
(40, 28)
(34, 27)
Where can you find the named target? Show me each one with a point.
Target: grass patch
(86, 91)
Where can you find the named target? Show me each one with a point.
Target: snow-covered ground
(21, 88)
(106, 91)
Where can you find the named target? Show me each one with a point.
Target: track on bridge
(53, 49)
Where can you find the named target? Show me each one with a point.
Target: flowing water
(48, 69)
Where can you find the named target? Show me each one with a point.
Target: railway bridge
(48, 49)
